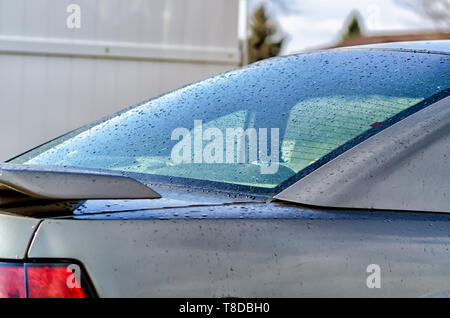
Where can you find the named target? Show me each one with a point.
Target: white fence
(54, 78)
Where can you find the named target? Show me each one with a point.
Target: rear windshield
(259, 126)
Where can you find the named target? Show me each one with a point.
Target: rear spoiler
(21, 183)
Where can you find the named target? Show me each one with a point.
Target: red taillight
(52, 282)
(34, 280)
(12, 281)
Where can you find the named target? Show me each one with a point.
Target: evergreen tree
(353, 28)
(261, 44)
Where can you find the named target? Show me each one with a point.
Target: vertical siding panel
(58, 95)
(33, 86)
(81, 84)
(12, 17)
(10, 102)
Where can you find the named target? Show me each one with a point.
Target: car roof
(435, 46)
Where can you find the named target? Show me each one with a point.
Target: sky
(310, 24)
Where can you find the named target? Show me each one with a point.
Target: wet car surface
(352, 172)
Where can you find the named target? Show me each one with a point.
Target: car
(324, 174)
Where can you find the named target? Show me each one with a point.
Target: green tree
(353, 27)
(261, 44)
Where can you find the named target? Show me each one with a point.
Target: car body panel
(253, 250)
(172, 198)
(15, 235)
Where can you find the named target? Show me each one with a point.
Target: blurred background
(66, 63)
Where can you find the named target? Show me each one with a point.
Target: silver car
(318, 174)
